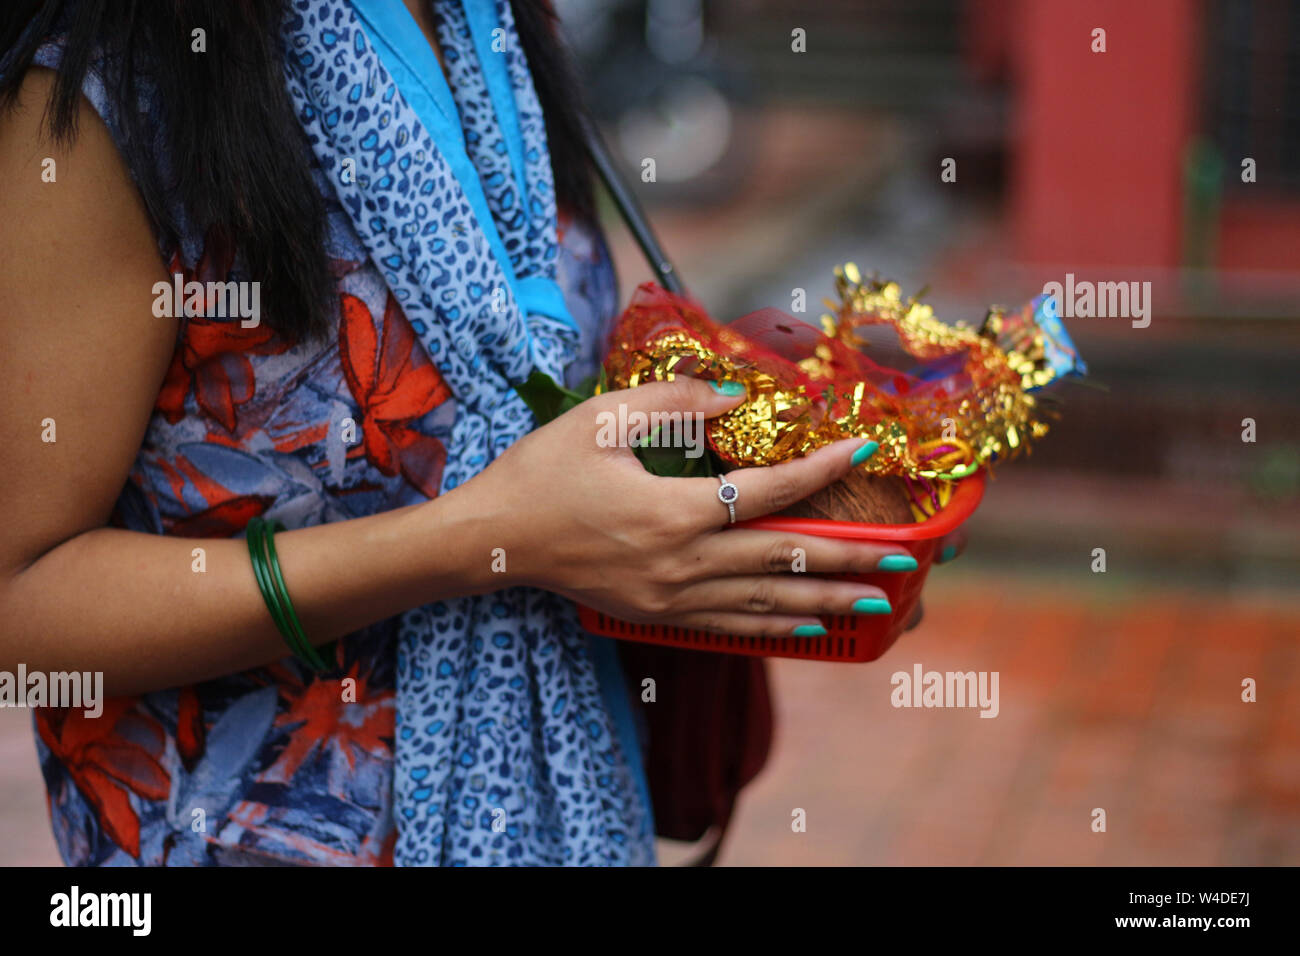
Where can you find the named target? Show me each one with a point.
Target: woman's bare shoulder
(82, 355)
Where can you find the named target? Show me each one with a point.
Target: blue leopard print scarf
(506, 752)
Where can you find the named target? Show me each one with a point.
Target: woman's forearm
(133, 607)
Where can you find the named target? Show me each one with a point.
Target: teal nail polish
(948, 553)
(871, 606)
(863, 453)
(808, 630)
(730, 389)
(897, 562)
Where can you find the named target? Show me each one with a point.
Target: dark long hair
(240, 166)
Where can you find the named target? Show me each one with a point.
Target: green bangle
(307, 653)
(266, 569)
(257, 554)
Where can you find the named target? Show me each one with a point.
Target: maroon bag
(710, 732)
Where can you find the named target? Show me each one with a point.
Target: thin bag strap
(630, 210)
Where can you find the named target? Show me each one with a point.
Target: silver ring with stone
(727, 494)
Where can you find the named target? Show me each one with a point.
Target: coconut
(859, 497)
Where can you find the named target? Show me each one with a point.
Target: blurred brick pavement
(1129, 703)
(1126, 701)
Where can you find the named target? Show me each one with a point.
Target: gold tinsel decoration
(791, 408)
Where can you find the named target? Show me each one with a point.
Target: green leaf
(674, 462)
(665, 462)
(545, 399)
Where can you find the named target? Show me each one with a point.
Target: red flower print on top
(321, 726)
(394, 383)
(212, 361)
(109, 757)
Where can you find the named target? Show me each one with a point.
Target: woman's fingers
(663, 413)
(951, 546)
(786, 595)
(750, 551)
(762, 491)
(751, 625)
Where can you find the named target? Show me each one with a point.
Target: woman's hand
(591, 523)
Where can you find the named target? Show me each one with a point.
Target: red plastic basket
(854, 638)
